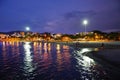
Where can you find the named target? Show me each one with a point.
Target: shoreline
(82, 44)
(103, 56)
(110, 63)
(67, 41)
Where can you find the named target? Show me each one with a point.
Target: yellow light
(65, 47)
(58, 47)
(49, 47)
(45, 47)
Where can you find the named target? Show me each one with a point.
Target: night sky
(59, 16)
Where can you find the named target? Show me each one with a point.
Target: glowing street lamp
(85, 22)
(27, 28)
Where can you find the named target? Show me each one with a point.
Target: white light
(28, 67)
(85, 50)
(85, 22)
(87, 62)
(27, 48)
(84, 60)
(27, 28)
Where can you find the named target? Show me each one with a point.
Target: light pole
(85, 22)
(27, 36)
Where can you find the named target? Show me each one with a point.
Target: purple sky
(62, 16)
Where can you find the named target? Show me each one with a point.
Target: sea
(55, 61)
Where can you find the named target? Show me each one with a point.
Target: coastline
(82, 44)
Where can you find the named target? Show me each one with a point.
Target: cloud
(69, 22)
(79, 14)
(112, 30)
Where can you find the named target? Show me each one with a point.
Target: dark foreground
(53, 61)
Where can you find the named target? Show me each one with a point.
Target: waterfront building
(3, 36)
(66, 38)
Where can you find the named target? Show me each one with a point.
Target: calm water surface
(47, 61)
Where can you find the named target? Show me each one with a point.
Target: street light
(85, 22)
(27, 28)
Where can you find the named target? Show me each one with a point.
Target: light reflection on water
(28, 68)
(40, 60)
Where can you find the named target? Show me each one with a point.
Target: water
(48, 61)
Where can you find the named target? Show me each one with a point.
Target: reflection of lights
(40, 45)
(87, 61)
(45, 47)
(65, 47)
(66, 56)
(17, 43)
(35, 44)
(4, 47)
(96, 49)
(58, 51)
(40, 48)
(27, 51)
(28, 58)
(58, 47)
(10, 43)
(3, 43)
(59, 58)
(84, 60)
(7, 43)
(49, 46)
(85, 50)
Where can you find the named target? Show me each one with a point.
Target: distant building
(57, 35)
(66, 38)
(29, 33)
(84, 33)
(16, 34)
(3, 36)
(22, 34)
